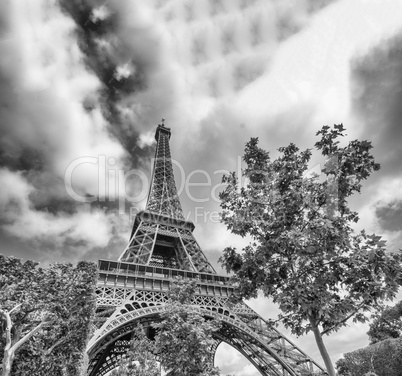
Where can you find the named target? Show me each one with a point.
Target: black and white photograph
(201, 187)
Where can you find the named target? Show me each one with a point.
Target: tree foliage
(183, 342)
(382, 359)
(184, 337)
(386, 324)
(304, 253)
(140, 359)
(46, 316)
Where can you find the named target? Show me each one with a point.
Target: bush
(383, 359)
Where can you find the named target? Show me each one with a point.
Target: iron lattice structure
(161, 236)
(134, 288)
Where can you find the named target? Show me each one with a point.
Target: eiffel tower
(133, 289)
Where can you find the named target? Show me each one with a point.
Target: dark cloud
(122, 56)
(11, 245)
(47, 122)
(46, 250)
(102, 61)
(4, 20)
(23, 144)
(377, 97)
(27, 145)
(27, 159)
(113, 35)
(9, 150)
(53, 205)
(390, 216)
(292, 16)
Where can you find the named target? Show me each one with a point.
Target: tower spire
(161, 236)
(163, 198)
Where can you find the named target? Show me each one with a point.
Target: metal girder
(166, 245)
(163, 198)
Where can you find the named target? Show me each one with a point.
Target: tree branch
(279, 319)
(29, 335)
(59, 342)
(26, 314)
(8, 328)
(16, 307)
(343, 320)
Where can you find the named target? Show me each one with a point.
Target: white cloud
(49, 87)
(231, 362)
(146, 139)
(385, 192)
(87, 228)
(52, 83)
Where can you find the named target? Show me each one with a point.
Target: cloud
(121, 45)
(64, 235)
(231, 362)
(14, 199)
(184, 61)
(390, 215)
(46, 126)
(157, 60)
(377, 81)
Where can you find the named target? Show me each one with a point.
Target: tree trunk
(8, 359)
(8, 354)
(323, 351)
(10, 349)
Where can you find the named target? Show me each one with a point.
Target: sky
(84, 83)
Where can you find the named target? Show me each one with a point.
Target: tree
(387, 324)
(46, 316)
(140, 359)
(304, 253)
(381, 359)
(184, 338)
